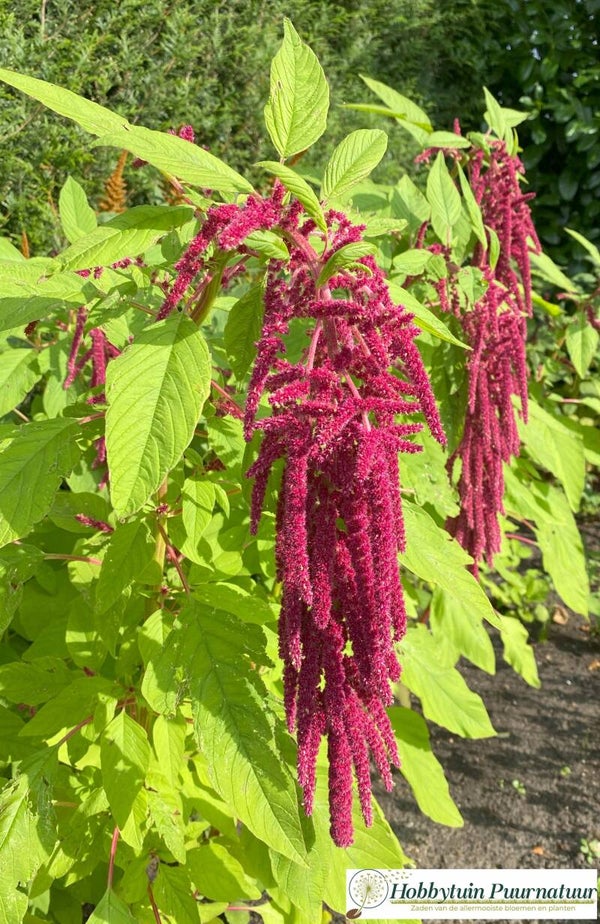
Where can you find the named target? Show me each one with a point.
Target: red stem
(155, 910)
(55, 556)
(235, 410)
(521, 539)
(74, 730)
(174, 559)
(113, 853)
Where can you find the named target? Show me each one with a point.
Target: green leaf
(352, 161)
(20, 853)
(324, 875)
(168, 737)
(166, 809)
(411, 262)
(172, 890)
(421, 769)
(8, 251)
(177, 157)
(75, 702)
(126, 235)
(155, 391)
(296, 113)
(542, 265)
(557, 449)
(591, 248)
(408, 202)
(111, 910)
(197, 503)
(124, 759)
(445, 697)
(473, 210)
(34, 682)
(90, 116)
(562, 551)
(582, 343)
(444, 199)
(130, 549)
(218, 875)
(232, 599)
(32, 465)
(76, 216)
(233, 723)
(299, 188)
(226, 438)
(31, 301)
(494, 115)
(424, 318)
(461, 630)
(171, 154)
(435, 557)
(414, 119)
(346, 256)
(19, 372)
(242, 330)
(447, 140)
(518, 652)
(267, 243)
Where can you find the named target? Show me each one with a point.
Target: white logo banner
(465, 894)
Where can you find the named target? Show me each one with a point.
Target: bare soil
(531, 796)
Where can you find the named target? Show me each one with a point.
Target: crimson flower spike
(338, 420)
(496, 329)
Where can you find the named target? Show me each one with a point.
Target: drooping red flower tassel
(496, 329)
(334, 422)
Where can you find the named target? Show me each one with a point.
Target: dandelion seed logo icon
(368, 888)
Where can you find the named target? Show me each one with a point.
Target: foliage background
(163, 63)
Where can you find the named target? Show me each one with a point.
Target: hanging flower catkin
(339, 523)
(496, 329)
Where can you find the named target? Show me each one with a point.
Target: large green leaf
(414, 119)
(18, 374)
(582, 343)
(473, 210)
(352, 161)
(461, 629)
(126, 235)
(90, 116)
(556, 531)
(421, 769)
(177, 158)
(174, 894)
(562, 551)
(218, 875)
(296, 113)
(445, 697)
(424, 318)
(129, 551)
(242, 330)
(124, 759)
(169, 153)
(556, 448)
(25, 301)
(155, 391)
(444, 199)
(215, 656)
(111, 910)
(76, 216)
(32, 465)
